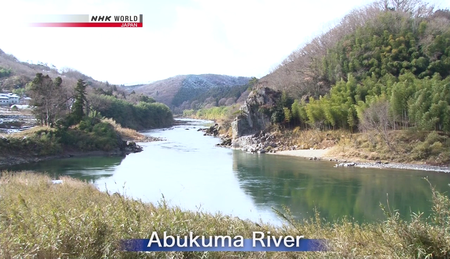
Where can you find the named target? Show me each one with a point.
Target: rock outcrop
(225, 141)
(132, 147)
(255, 114)
(258, 143)
(211, 131)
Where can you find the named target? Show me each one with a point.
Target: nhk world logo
(87, 20)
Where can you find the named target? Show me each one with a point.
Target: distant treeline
(143, 115)
(195, 98)
(214, 113)
(55, 105)
(212, 95)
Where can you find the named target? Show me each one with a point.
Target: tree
(351, 120)
(47, 98)
(252, 83)
(287, 115)
(4, 72)
(19, 91)
(286, 100)
(295, 108)
(277, 115)
(80, 102)
(377, 118)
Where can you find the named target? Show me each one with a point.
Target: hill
(385, 37)
(195, 91)
(383, 72)
(129, 110)
(15, 74)
(386, 65)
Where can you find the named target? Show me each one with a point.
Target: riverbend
(188, 170)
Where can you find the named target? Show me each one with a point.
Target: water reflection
(85, 168)
(357, 193)
(191, 172)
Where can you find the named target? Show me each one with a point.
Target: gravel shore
(321, 154)
(307, 153)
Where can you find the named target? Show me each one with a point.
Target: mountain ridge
(194, 91)
(178, 92)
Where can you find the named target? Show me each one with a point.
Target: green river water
(189, 171)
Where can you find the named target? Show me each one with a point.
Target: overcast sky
(232, 37)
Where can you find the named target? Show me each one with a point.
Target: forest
(384, 66)
(145, 114)
(81, 118)
(55, 105)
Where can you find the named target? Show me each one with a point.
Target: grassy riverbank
(91, 136)
(401, 146)
(39, 219)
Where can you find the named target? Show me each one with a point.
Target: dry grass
(306, 139)
(29, 132)
(405, 147)
(126, 133)
(39, 219)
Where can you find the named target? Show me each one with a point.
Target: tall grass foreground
(39, 219)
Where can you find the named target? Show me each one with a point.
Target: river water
(189, 171)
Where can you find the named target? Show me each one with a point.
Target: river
(189, 171)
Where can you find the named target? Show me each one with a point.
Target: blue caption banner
(245, 245)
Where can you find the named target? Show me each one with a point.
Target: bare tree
(47, 98)
(416, 8)
(302, 72)
(377, 118)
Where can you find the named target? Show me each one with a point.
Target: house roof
(9, 95)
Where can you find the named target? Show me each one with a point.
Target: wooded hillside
(57, 92)
(386, 65)
(186, 92)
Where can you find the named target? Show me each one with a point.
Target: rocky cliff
(255, 114)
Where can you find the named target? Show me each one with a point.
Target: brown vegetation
(39, 219)
(126, 133)
(430, 148)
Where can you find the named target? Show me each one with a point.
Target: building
(8, 99)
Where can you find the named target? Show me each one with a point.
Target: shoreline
(305, 153)
(269, 143)
(321, 154)
(6, 161)
(131, 146)
(13, 160)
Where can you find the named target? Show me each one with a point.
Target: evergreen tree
(295, 108)
(80, 102)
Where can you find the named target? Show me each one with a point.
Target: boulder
(211, 131)
(226, 141)
(345, 164)
(132, 147)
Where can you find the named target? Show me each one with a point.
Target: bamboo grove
(393, 71)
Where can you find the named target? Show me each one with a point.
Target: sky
(233, 37)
